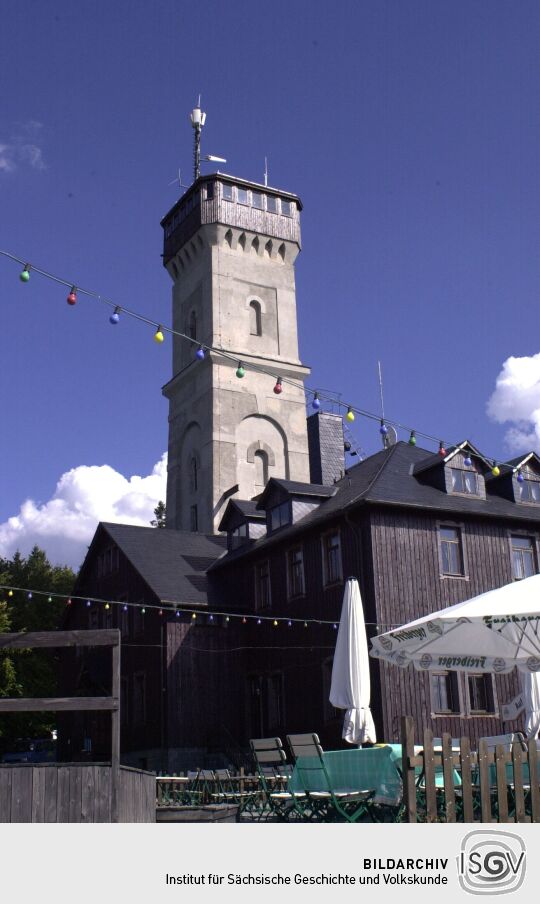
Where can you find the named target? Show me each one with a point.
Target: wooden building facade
(238, 634)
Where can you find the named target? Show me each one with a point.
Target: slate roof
(172, 562)
(296, 488)
(387, 478)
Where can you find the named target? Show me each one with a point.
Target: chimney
(326, 451)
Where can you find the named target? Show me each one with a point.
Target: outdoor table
(362, 769)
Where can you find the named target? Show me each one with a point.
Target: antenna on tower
(198, 119)
(265, 172)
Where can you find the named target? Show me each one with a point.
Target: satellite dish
(390, 438)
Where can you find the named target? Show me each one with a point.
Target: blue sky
(411, 132)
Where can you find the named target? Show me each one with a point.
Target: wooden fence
(452, 783)
(74, 792)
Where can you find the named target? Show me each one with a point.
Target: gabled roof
(388, 478)
(522, 460)
(171, 562)
(295, 488)
(240, 510)
(437, 459)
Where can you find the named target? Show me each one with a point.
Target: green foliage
(30, 673)
(161, 515)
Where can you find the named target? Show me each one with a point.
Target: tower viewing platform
(223, 199)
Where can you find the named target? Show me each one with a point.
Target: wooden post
(466, 781)
(429, 777)
(448, 778)
(407, 754)
(518, 758)
(502, 790)
(483, 768)
(534, 780)
(115, 733)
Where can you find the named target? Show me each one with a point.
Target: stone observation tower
(230, 247)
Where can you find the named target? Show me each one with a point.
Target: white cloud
(65, 525)
(516, 401)
(22, 148)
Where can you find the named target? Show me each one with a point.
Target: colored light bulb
(258, 621)
(383, 429)
(29, 596)
(124, 608)
(347, 446)
(24, 275)
(442, 450)
(49, 599)
(178, 615)
(68, 602)
(412, 439)
(350, 415)
(495, 469)
(467, 461)
(160, 612)
(72, 297)
(244, 620)
(107, 606)
(520, 478)
(143, 611)
(194, 615)
(278, 388)
(88, 604)
(158, 335)
(10, 592)
(275, 623)
(200, 353)
(289, 624)
(115, 316)
(240, 372)
(316, 403)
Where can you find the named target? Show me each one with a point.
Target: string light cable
(175, 609)
(318, 396)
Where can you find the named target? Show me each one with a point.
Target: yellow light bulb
(158, 335)
(350, 416)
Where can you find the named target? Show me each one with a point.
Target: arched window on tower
(255, 320)
(192, 325)
(193, 474)
(260, 460)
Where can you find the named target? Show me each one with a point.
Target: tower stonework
(230, 247)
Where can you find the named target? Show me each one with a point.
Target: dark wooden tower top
(219, 198)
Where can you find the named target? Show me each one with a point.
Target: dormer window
(529, 491)
(280, 515)
(239, 536)
(465, 482)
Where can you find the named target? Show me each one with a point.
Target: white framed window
(445, 693)
(451, 550)
(481, 697)
(523, 556)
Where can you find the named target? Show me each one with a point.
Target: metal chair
(274, 772)
(326, 801)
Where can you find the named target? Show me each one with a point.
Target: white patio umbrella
(492, 632)
(350, 688)
(531, 695)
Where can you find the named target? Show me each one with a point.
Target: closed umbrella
(350, 688)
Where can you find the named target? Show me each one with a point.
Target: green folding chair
(274, 773)
(327, 801)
